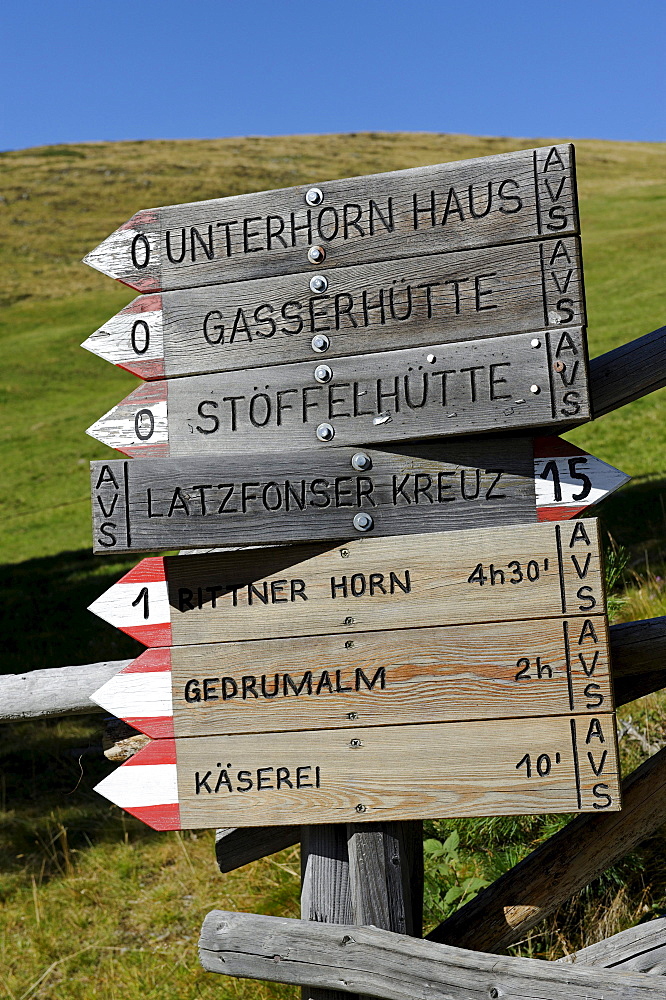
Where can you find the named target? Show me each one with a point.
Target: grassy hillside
(91, 902)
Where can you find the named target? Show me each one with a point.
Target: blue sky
(86, 71)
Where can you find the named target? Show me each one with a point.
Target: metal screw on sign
(360, 808)
(344, 553)
(316, 255)
(318, 283)
(355, 743)
(535, 343)
(363, 522)
(349, 621)
(558, 366)
(494, 993)
(314, 196)
(535, 389)
(431, 358)
(352, 715)
(320, 343)
(349, 645)
(325, 432)
(323, 373)
(361, 462)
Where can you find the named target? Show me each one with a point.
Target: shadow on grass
(48, 767)
(45, 621)
(635, 516)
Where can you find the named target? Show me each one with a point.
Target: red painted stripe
(145, 450)
(150, 635)
(559, 513)
(144, 284)
(555, 447)
(157, 752)
(157, 727)
(149, 570)
(146, 369)
(149, 392)
(166, 817)
(142, 303)
(151, 661)
(143, 218)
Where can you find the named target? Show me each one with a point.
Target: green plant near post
(447, 884)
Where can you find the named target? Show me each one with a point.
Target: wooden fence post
(362, 873)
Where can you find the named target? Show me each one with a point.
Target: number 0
(140, 324)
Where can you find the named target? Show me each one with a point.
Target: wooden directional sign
(444, 674)
(466, 205)
(359, 309)
(468, 577)
(439, 486)
(504, 383)
(378, 773)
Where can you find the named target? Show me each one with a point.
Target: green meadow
(91, 902)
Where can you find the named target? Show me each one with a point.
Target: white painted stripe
(141, 785)
(138, 695)
(118, 428)
(572, 473)
(113, 255)
(115, 604)
(113, 341)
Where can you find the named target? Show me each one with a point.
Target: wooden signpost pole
(428, 635)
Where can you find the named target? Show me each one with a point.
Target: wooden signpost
(407, 581)
(444, 674)
(472, 204)
(416, 625)
(549, 764)
(511, 382)
(365, 309)
(435, 486)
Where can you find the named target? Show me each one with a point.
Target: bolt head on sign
(490, 201)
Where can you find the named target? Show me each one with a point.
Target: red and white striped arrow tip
(131, 253)
(138, 603)
(133, 339)
(140, 694)
(146, 786)
(140, 416)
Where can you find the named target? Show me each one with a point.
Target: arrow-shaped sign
(551, 764)
(399, 582)
(362, 309)
(464, 205)
(392, 677)
(446, 485)
(500, 384)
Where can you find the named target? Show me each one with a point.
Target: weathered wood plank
(419, 301)
(386, 875)
(55, 691)
(236, 847)
(490, 671)
(194, 502)
(638, 949)
(444, 390)
(362, 585)
(469, 204)
(377, 774)
(376, 962)
(325, 894)
(502, 913)
(629, 372)
(638, 658)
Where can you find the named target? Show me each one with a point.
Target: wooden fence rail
(375, 962)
